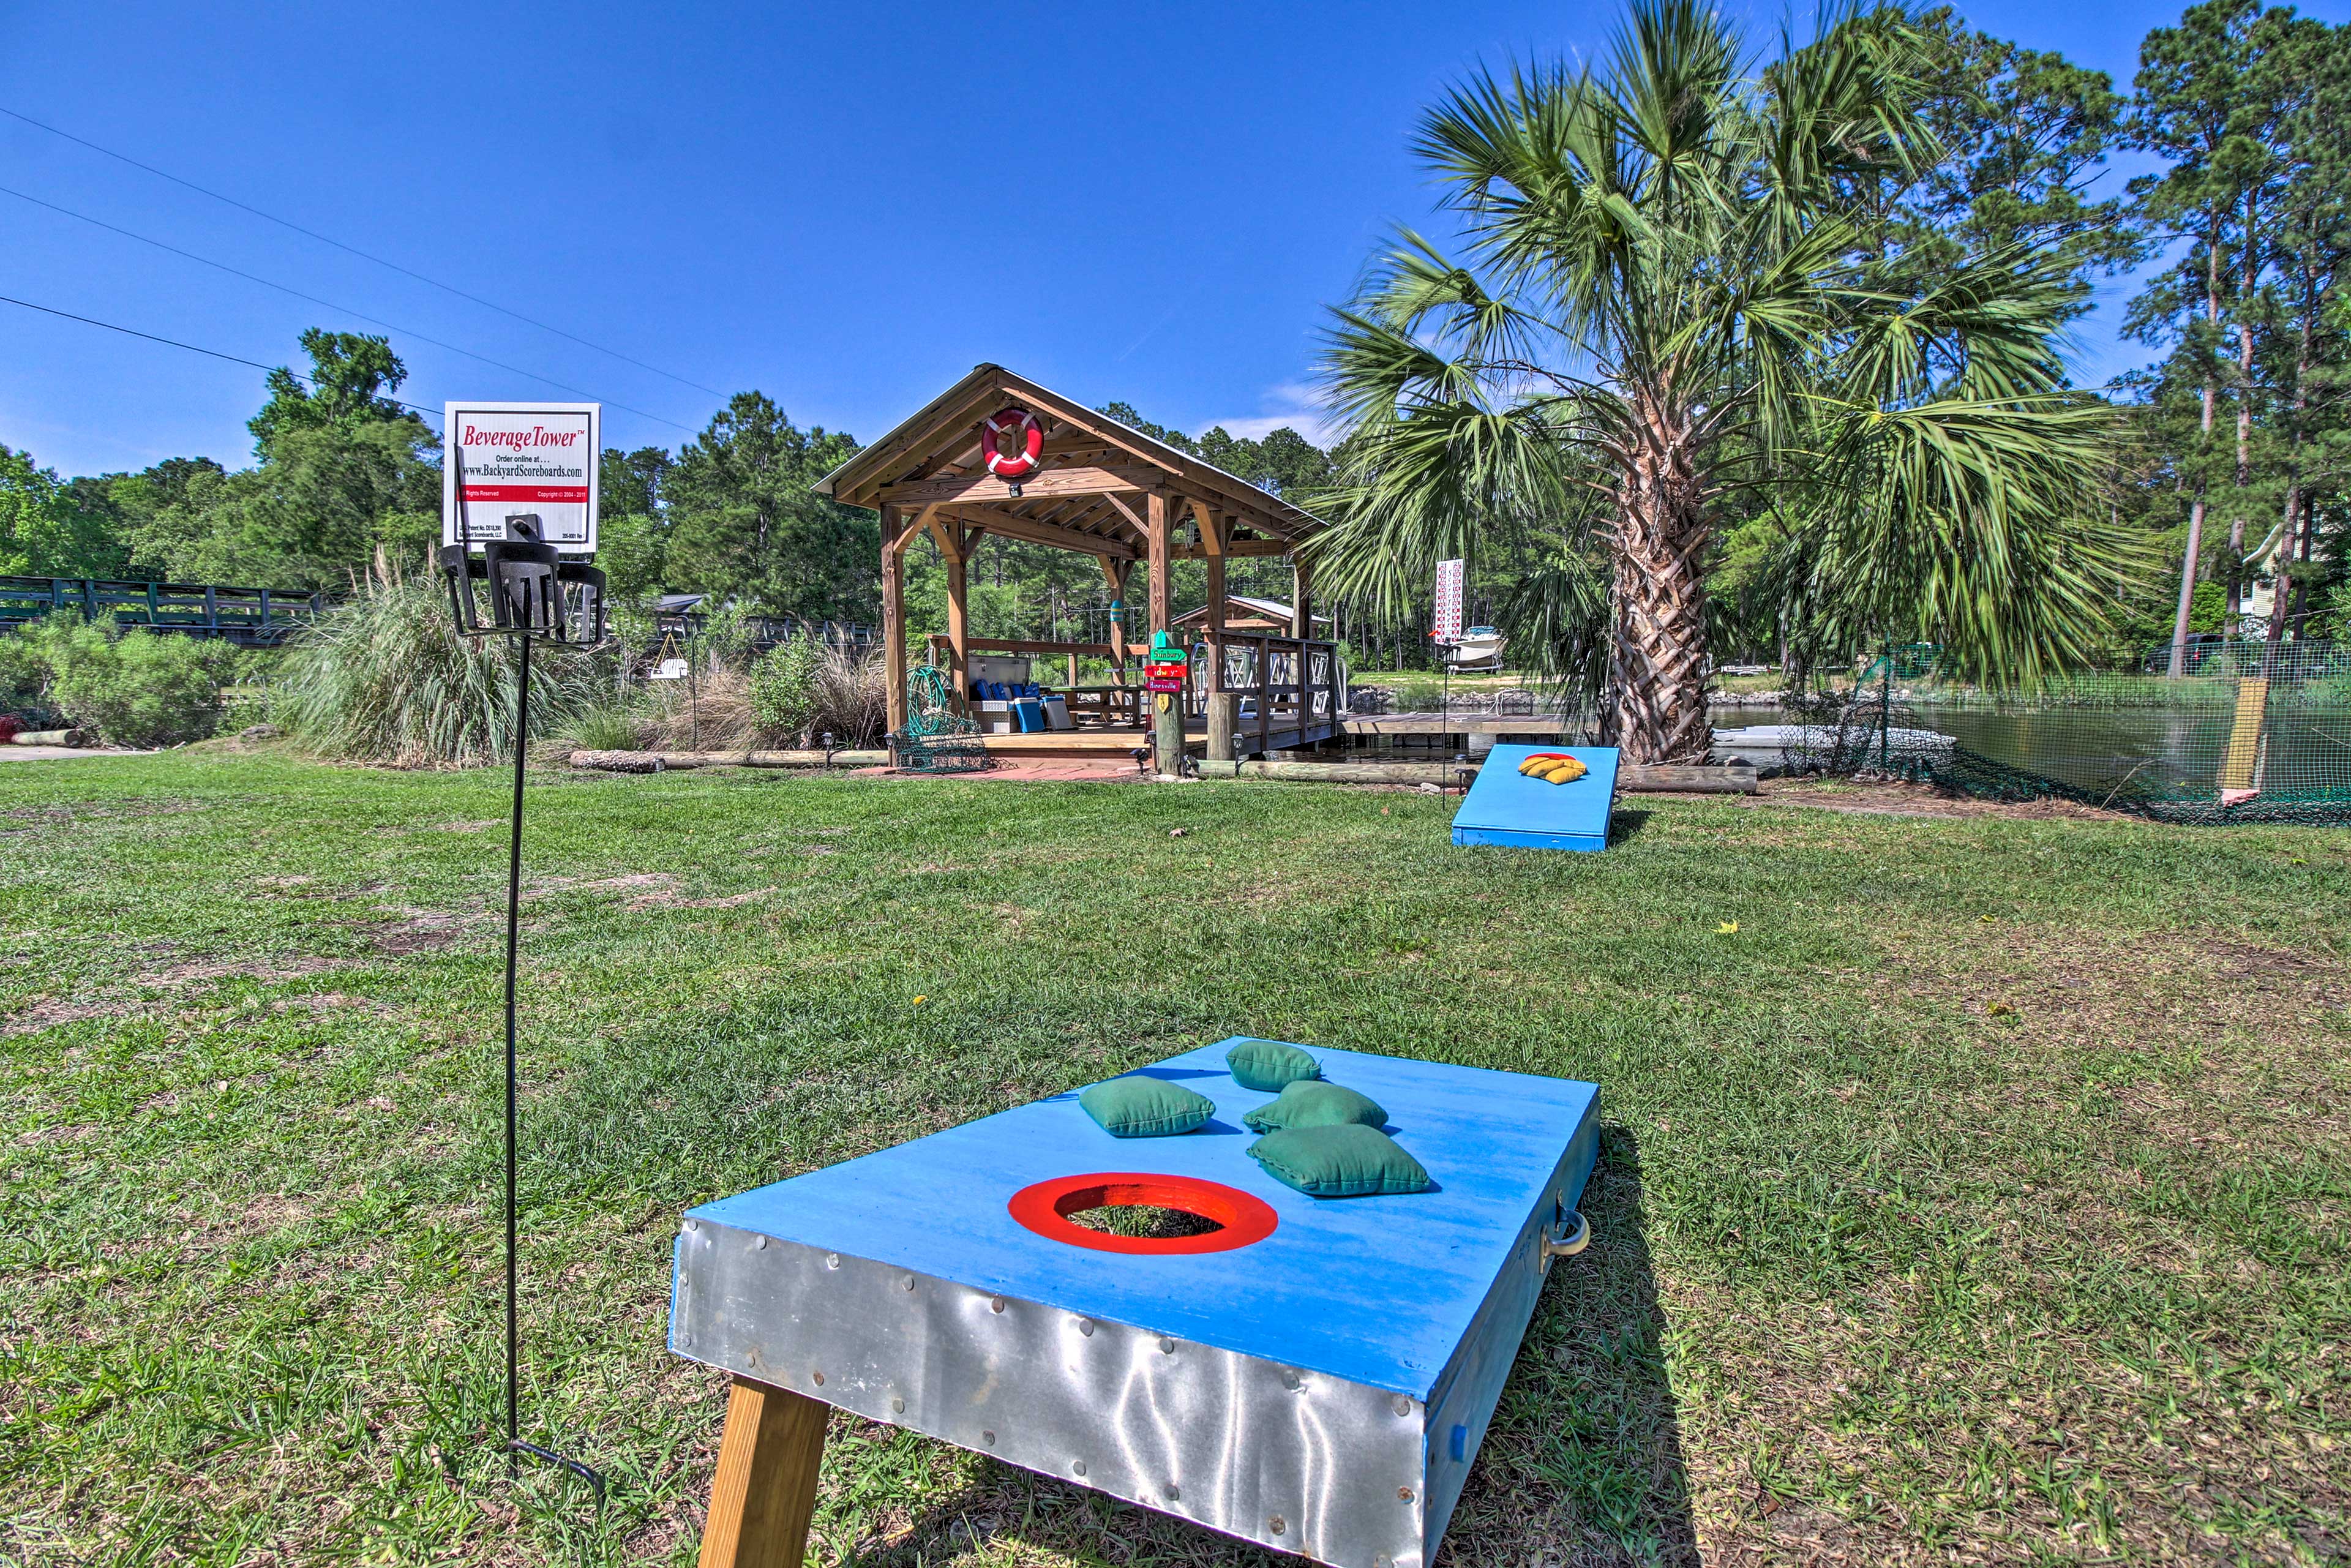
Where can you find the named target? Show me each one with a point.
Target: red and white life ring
(996, 427)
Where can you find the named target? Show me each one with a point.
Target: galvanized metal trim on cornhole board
(1506, 807)
(1322, 1390)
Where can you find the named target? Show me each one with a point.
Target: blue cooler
(1028, 716)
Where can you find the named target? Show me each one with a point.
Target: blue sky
(844, 207)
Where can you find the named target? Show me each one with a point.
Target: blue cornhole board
(1505, 807)
(1322, 1391)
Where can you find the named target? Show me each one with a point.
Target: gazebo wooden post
(893, 616)
(1302, 626)
(1161, 589)
(1167, 708)
(1222, 707)
(957, 540)
(1115, 571)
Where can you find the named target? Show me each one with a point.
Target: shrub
(724, 642)
(386, 678)
(134, 687)
(795, 694)
(784, 688)
(711, 712)
(24, 676)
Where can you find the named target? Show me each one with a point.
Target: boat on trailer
(1479, 648)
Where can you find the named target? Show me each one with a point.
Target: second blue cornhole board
(1505, 807)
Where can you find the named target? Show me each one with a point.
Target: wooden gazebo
(1105, 490)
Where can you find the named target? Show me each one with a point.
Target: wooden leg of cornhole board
(765, 1491)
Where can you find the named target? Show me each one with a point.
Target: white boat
(1793, 748)
(1478, 648)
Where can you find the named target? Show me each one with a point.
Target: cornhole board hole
(1316, 1376)
(1506, 807)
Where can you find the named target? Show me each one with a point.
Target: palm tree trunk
(1658, 657)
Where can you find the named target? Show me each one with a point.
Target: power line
(330, 305)
(174, 342)
(354, 250)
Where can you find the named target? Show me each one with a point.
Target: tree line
(344, 475)
(1947, 235)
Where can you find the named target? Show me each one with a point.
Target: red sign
(575, 495)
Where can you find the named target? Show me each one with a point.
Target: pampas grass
(795, 694)
(386, 678)
(853, 696)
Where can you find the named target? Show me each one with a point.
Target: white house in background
(1243, 613)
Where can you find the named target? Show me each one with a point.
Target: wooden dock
(1456, 723)
(1284, 733)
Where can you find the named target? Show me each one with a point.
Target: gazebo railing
(1267, 684)
(1270, 685)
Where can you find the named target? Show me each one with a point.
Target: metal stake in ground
(535, 595)
(527, 590)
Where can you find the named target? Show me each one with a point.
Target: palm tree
(1678, 286)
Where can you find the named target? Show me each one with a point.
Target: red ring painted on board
(1045, 1208)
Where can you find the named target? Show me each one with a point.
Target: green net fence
(2248, 732)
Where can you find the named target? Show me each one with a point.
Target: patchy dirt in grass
(1893, 797)
(310, 887)
(51, 1012)
(2093, 987)
(634, 883)
(327, 1001)
(197, 974)
(89, 811)
(418, 930)
(729, 901)
(646, 890)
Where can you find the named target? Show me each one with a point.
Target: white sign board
(670, 670)
(502, 460)
(1451, 582)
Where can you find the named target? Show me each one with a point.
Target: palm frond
(1556, 618)
(1974, 524)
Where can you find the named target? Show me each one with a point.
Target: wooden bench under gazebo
(1065, 476)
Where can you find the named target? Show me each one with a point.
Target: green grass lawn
(1982, 1197)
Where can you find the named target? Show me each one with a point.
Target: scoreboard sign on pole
(508, 460)
(1450, 580)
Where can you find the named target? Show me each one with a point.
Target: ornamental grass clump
(853, 696)
(386, 678)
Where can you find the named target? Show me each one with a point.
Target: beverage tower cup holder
(532, 591)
